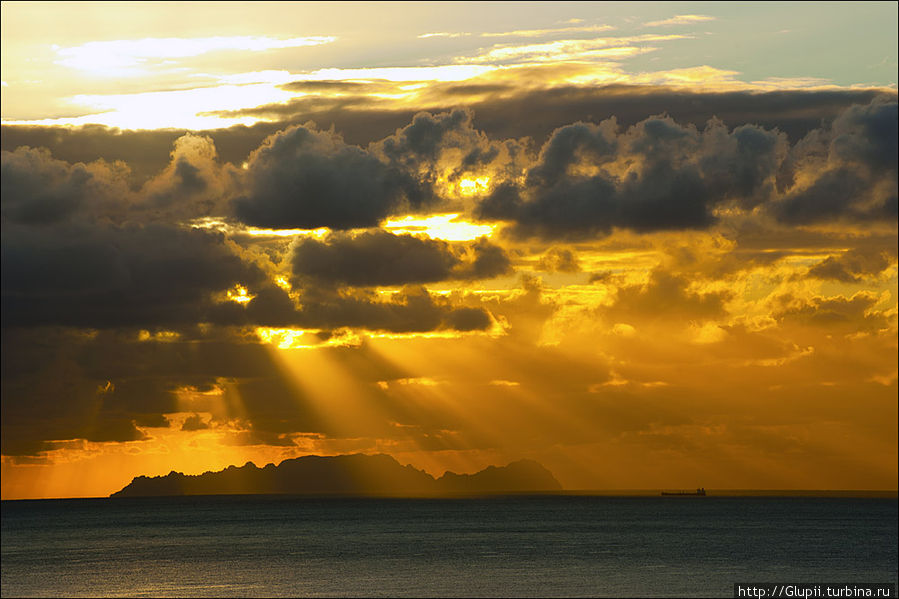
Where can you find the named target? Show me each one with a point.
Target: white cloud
(541, 32)
(680, 20)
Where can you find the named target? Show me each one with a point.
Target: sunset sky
(649, 245)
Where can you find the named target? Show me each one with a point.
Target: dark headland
(355, 474)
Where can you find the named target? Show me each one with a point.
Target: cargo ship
(697, 493)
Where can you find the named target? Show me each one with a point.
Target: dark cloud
(854, 265)
(503, 111)
(194, 423)
(62, 384)
(665, 296)
(87, 262)
(38, 189)
(838, 194)
(146, 151)
(428, 135)
(59, 384)
(538, 113)
(448, 144)
(852, 169)
(101, 277)
(46, 396)
(559, 260)
(373, 258)
(866, 135)
(535, 114)
(381, 258)
(301, 178)
(412, 309)
(662, 175)
(854, 313)
(658, 175)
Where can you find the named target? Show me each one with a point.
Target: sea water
(497, 546)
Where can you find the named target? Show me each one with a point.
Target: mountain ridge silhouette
(349, 474)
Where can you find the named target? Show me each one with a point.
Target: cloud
(305, 179)
(855, 313)
(40, 190)
(443, 34)
(608, 48)
(663, 297)
(559, 260)
(412, 309)
(658, 175)
(444, 147)
(681, 20)
(75, 254)
(849, 169)
(662, 175)
(500, 109)
(551, 31)
(194, 184)
(194, 422)
(380, 258)
(866, 136)
(854, 265)
(61, 384)
(128, 276)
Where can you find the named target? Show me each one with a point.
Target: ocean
(552, 545)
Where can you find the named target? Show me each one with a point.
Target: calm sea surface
(502, 546)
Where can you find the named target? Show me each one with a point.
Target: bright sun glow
(317, 233)
(470, 187)
(284, 338)
(239, 294)
(448, 227)
(116, 58)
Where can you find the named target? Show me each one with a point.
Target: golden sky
(616, 238)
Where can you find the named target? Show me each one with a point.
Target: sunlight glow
(470, 187)
(451, 72)
(448, 227)
(158, 336)
(283, 338)
(231, 228)
(317, 233)
(116, 58)
(239, 294)
(189, 108)
(286, 338)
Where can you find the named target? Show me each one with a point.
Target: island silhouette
(352, 474)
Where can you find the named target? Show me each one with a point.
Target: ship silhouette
(700, 492)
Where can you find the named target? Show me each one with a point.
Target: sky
(649, 245)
